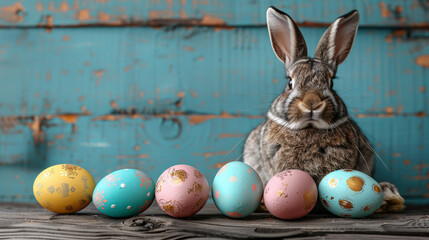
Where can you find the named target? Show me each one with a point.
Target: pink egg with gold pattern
(181, 191)
(290, 194)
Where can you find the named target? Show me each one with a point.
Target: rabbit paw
(392, 200)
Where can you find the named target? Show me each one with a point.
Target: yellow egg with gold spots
(64, 188)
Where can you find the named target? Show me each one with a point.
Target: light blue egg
(350, 193)
(237, 190)
(124, 193)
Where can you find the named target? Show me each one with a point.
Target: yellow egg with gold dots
(64, 188)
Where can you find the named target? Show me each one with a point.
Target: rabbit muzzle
(311, 106)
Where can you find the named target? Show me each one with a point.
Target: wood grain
(148, 84)
(197, 70)
(151, 144)
(29, 221)
(220, 13)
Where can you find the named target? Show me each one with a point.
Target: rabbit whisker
(361, 154)
(372, 149)
(226, 155)
(239, 156)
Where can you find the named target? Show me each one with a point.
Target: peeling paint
(99, 75)
(8, 123)
(183, 14)
(392, 93)
(220, 164)
(212, 20)
(194, 119)
(193, 93)
(389, 110)
(12, 13)
(189, 49)
(219, 28)
(400, 33)
(420, 114)
(64, 7)
(399, 109)
(161, 14)
(103, 17)
(49, 23)
(76, 5)
(39, 6)
(83, 15)
(69, 118)
(125, 88)
(389, 38)
(110, 117)
(378, 115)
(48, 76)
(113, 104)
(232, 135)
(59, 136)
(211, 154)
(36, 128)
(132, 156)
(180, 94)
(423, 60)
(197, 119)
(383, 9)
(421, 177)
(178, 103)
(421, 166)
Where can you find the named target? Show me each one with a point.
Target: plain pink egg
(290, 194)
(181, 191)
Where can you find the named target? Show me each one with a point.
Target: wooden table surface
(30, 221)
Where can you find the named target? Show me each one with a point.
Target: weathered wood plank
(198, 70)
(153, 143)
(23, 221)
(81, 95)
(48, 13)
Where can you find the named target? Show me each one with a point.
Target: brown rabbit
(307, 126)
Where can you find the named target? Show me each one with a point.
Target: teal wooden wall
(149, 84)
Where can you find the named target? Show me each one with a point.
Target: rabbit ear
(286, 39)
(337, 41)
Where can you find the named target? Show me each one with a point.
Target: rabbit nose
(312, 103)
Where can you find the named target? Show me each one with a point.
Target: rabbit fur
(308, 126)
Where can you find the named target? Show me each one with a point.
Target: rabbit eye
(289, 82)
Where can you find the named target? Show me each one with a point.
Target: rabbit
(307, 127)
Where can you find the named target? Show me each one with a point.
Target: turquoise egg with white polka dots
(124, 193)
(350, 193)
(237, 190)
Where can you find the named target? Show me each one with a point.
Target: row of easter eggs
(183, 190)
